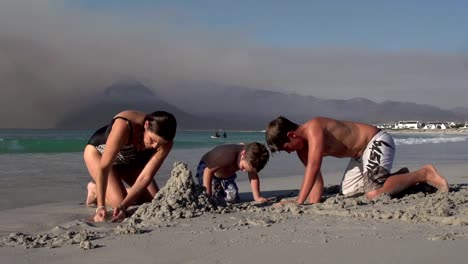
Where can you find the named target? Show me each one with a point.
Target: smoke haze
(55, 57)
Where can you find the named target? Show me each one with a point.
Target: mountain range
(207, 106)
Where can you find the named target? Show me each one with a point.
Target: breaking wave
(430, 140)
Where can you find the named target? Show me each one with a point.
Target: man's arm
(317, 190)
(314, 162)
(255, 186)
(315, 195)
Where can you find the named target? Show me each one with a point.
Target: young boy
(371, 151)
(217, 169)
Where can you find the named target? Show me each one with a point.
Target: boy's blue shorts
(225, 185)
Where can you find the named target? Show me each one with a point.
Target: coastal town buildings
(409, 125)
(416, 124)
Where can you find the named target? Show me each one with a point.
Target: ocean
(45, 166)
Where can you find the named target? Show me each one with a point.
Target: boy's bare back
(339, 138)
(224, 159)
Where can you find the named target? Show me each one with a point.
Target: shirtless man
(371, 151)
(217, 169)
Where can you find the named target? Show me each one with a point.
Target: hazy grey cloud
(54, 58)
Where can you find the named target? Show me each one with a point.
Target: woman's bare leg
(115, 192)
(397, 183)
(92, 197)
(129, 176)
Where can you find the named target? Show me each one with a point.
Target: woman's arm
(147, 174)
(115, 140)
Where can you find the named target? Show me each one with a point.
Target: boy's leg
(397, 183)
(218, 190)
(231, 190)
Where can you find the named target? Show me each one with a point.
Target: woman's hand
(100, 215)
(119, 214)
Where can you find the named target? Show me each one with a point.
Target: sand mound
(52, 240)
(179, 198)
(437, 208)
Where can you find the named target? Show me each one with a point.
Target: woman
(130, 149)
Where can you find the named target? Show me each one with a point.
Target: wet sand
(182, 225)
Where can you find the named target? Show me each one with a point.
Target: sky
(53, 52)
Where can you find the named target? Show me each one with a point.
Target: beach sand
(183, 226)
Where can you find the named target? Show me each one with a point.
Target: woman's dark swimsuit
(128, 154)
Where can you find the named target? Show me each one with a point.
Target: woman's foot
(91, 199)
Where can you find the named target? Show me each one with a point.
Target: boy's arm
(255, 185)
(208, 174)
(314, 162)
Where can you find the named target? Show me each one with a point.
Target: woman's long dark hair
(163, 124)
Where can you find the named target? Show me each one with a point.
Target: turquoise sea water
(69, 141)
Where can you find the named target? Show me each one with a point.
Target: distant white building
(387, 126)
(409, 125)
(436, 125)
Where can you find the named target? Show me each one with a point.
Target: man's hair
(163, 124)
(257, 155)
(277, 133)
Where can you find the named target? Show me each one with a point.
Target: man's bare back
(339, 138)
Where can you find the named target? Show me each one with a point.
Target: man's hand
(261, 199)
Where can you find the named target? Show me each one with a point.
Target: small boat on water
(219, 134)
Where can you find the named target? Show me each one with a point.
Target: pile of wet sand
(179, 198)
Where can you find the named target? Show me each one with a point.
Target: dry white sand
(182, 225)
